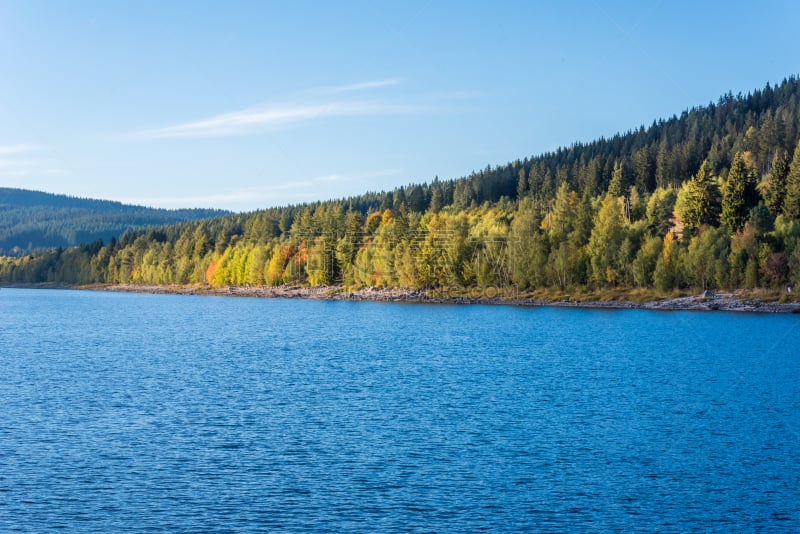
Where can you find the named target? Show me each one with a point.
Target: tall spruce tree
(522, 184)
(775, 192)
(698, 201)
(791, 203)
(739, 193)
(618, 187)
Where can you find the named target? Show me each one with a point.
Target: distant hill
(31, 220)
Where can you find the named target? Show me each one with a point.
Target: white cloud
(362, 86)
(240, 122)
(257, 118)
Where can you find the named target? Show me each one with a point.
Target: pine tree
(436, 200)
(562, 217)
(791, 203)
(663, 170)
(776, 182)
(643, 170)
(522, 184)
(738, 194)
(617, 187)
(698, 200)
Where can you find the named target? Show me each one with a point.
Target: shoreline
(723, 301)
(710, 302)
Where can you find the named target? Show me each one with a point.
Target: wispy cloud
(362, 86)
(255, 119)
(249, 120)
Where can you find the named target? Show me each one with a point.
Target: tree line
(31, 220)
(707, 199)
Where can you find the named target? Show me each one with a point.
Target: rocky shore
(704, 302)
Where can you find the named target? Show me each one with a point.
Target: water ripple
(163, 413)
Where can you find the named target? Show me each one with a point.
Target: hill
(31, 220)
(709, 199)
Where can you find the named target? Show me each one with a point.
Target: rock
(707, 294)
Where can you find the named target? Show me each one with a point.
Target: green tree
(436, 200)
(527, 248)
(643, 170)
(704, 253)
(560, 220)
(667, 272)
(660, 207)
(644, 264)
(522, 184)
(739, 193)
(775, 190)
(561, 265)
(605, 241)
(618, 186)
(791, 202)
(698, 203)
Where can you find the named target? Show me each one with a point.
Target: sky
(245, 105)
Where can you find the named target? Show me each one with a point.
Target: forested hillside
(707, 199)
(31, 220)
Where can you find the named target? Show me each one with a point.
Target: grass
(613, 294)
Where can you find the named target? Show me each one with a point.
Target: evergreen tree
(644, 177)
(698, 201)
(738, 194)
(617, 186)
(791, 203)
(659, 210)
(561, 218)
(436, 200)
(522, 184)
(663, 165)
(775, 192)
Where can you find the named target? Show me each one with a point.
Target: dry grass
(613, 294)
(767, 295)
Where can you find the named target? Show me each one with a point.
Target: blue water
(178, 413)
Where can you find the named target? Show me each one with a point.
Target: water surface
(177, 413)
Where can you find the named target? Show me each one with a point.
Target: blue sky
(244, 105)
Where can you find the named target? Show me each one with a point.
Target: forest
(709, 199)
(32, 220)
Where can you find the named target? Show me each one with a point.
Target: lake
(183, 413)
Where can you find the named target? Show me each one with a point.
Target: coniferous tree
(436, 200)
(698, 201)
(617, 186)
(561, 218)
(775, 192)
(659, 210)
(738, 194)
(644, 178)
(791, 202)
(522, 184)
